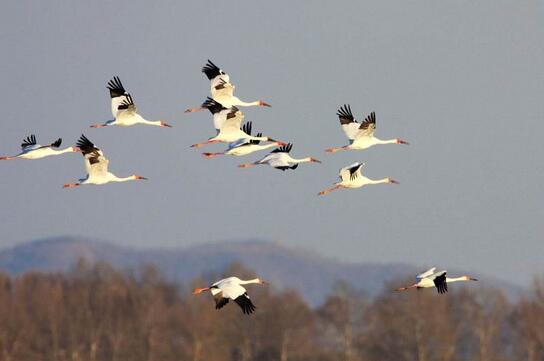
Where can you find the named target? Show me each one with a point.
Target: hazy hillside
(283, 266)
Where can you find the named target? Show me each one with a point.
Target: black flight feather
(212, 105)
(256, 141)
(285, 149)
(211, 70)
(29, 141)
(369, 121)
(345, 115)
(116, 87)
(246, 128)
(245, 304)
(56, 143)
(440, 283)
(127, 103)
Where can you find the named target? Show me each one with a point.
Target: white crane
(244, 146)
(352, 177)
(430, 278)
(97, 166)
(231, 289)
(279, 158)
(222, 90)
(123, 109)
(31, 150)
(361, 135)
(230, 130)
(219, 112)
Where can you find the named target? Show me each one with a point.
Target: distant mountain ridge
(284, 267)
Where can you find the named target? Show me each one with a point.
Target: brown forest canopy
(99, 314)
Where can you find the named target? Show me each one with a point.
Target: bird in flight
(360, 135)
(231, 288)
(280, 158)
(123, 109)
(222, 90)
(352, 177)
(430, 278)
(32, 150)
(96, 165)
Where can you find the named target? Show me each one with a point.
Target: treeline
(100, 314)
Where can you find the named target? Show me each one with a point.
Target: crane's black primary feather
(246, 128)
(29, 141)
(370, 121)
(285, 167)
(245, 304)
(441, 284)
(212, 105)
(353, 170)
(116, 87)
(211, 70)
(285, 149)
(127, 103)
(256, 141)
(86, 146)
(56, 143)
(220, 302)
(345, 115)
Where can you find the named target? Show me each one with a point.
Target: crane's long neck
(62, 151)
(247, 104)
(302, 160)
(386, 141)
(456, 279)
(255, 280)
(157, 123)
(115, 178)
(378, 181)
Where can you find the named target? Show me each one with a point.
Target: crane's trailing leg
(328, 190)
(211, 155)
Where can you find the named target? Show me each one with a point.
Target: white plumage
(352, 177)
(231, 289)
(361, 135)
(96, 165)
(430, 278)
(280, 158)
(32, 150)
(124, 110)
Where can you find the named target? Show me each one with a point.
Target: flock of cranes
(228, 121)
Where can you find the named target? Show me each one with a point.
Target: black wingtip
(57, 143)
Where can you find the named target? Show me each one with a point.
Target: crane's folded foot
(70, 185)
(246, 165)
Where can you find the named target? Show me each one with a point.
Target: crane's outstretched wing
(367, 128)
(211, 70)
(220, 301)
(426, 274)
(245, 304)
(348, 122)
(126, 107)
(29, 142)
(440, 282)
(212, 105)
(284, 149)
(117, 94)
(95, 162)
(351, 172)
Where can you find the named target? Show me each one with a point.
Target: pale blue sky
(463, 81)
